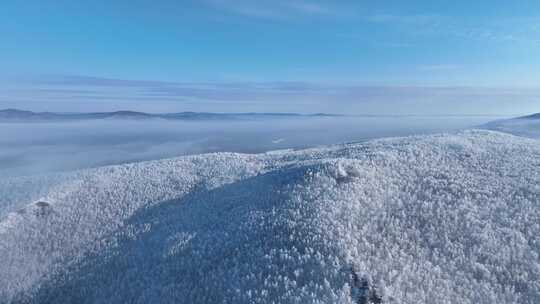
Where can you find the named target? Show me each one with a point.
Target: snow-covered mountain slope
(528, 126)
(449, 218)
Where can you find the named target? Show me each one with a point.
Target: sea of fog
(41, 147)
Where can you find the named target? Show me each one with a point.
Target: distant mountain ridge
(528, 125)
(22, 115)
(532, 116)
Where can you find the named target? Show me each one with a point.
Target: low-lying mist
(38, 147)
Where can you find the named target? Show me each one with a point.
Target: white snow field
(451, 218)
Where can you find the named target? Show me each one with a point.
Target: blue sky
(389, 57)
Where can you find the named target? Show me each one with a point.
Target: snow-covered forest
(449, 218)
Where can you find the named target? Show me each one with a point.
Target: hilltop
(449, 218)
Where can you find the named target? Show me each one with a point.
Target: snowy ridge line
(528, 126)
(451, 218)
(18, 191)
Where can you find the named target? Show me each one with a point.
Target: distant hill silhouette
(532, 116)
(22, 115)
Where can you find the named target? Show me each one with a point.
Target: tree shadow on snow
(202, 247)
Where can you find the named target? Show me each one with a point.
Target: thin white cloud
(89, 94)
(277, 9)
(439, 67)
(504, 30)
(404, 19)
(307, 7)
